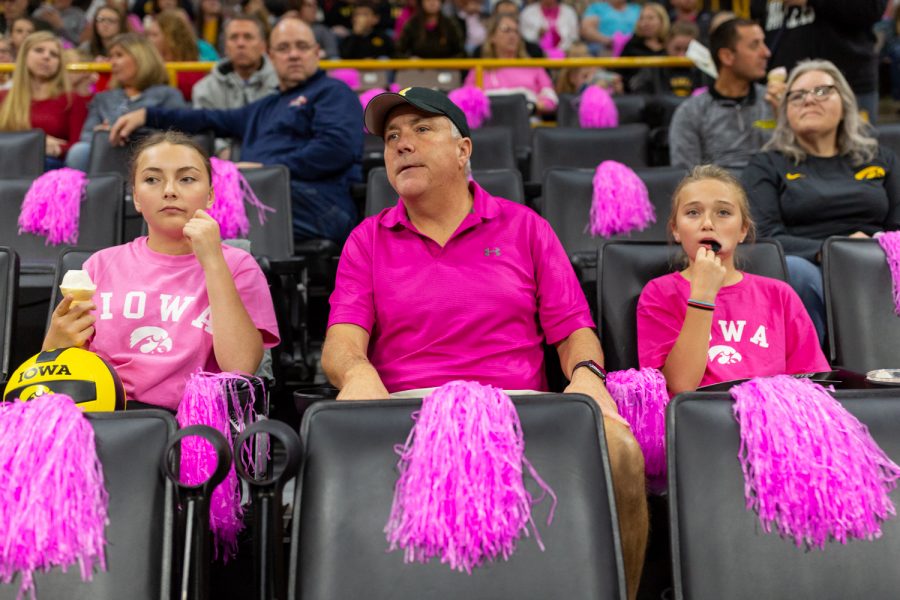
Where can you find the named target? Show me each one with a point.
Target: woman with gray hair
(821, 174)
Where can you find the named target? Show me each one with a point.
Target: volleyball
(78, 373)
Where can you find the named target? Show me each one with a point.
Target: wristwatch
(593, 367)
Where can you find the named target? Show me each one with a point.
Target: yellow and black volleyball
(78, 373)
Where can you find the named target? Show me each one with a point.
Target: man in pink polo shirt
(453, 283)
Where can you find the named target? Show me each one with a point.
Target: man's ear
(726, 57)
(464, 147)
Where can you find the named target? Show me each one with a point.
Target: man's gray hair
(457, 135)
(854, 137)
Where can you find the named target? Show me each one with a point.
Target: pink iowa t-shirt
(153, 320)
(479, 308)
(759, 328)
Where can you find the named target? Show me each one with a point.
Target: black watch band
(593, 367)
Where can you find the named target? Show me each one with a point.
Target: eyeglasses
(819, 94)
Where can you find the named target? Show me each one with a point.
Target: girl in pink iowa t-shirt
(178, 299)
(711, 322)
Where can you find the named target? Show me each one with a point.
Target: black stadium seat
(566, 204)
(587, 148)
(22, 153)
(492, 148)
(272, 185)
(625, 267)
(719, 548)
(9, 281)
(629, 106)
(864, 331)
(139, 554)
(100, 223)
(344, 492)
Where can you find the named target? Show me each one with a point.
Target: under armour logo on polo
(492, 251)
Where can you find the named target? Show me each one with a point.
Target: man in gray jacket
(245, 75)
(731, 121)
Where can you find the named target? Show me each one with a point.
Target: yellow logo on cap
(869, 173)
(793, 176)
(403, 92)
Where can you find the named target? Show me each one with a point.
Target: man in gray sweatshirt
(731, 121)
(245, 75)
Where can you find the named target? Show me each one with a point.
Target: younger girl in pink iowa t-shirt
(178, 299)
(711, 322)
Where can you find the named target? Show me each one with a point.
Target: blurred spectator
(691, 11)
(22, 27)
(328, 46)
(6, 56)
(837, 30)
(139, 79)
(551, 25)
(339, 15)
(81, 82)
(407, 10)
(367, 39)
(889, 33)
(12, 10)
(504, 41)
(244, 76)
(153, 7)
(602, 20)
(209, 22)
(67, 21)
(574, 80)
(41, 98)
(677, 81)
(650, 32)
(719, 18)
(731, 121)
(108, 23)
(510, 8)
(257, 8)
(430, 34)
(823, 174)
(175, 40)
(470, 22)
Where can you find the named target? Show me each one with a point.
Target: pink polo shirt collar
(484, 207)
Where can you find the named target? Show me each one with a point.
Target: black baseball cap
(426, 99)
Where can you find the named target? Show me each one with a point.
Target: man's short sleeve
(353, 301)
(562, 307)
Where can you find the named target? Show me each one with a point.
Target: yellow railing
(479, 64)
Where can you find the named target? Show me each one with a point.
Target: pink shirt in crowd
(532, 82)
(759, 328)
(478, 309)
(153, 319)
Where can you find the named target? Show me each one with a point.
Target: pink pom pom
(210, 399)
(699, 90)
(597, 109)
(890, 243)
(554, 53)
(474, 103)
(348, 76)
(619, 40)
(367, 96)
(621, 201)
(231, 191)
(642, 397)
(811, 468)
(394, 87)
(53, 507)
(460, 494)
(52, 206)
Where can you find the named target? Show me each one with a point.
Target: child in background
(367, 39)
(711, 322)
(175, 300)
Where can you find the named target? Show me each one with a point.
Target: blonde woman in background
(41, 97)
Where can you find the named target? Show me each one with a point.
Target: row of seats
(344, 488)
(864, 333)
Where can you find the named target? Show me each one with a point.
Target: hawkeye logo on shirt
(794, 176)
(869, 173)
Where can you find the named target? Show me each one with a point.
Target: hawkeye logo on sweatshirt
(869, 173)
